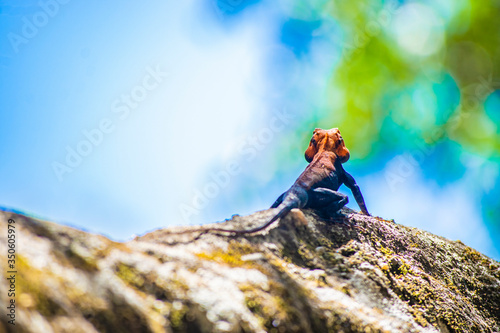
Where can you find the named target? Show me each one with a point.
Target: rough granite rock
(303, 274)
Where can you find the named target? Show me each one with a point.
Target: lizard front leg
(351, 184)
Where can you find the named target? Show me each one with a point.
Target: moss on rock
(358, 274)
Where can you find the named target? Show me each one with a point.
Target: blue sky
(88, 65)
(163, 101)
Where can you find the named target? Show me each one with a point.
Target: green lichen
(405, 268)
(419, 316)
(177, 316)
(232, 256)
(31, 281)
(151, 284)
(85, 263)
(130, 275)
(386, 251)
(471, 254)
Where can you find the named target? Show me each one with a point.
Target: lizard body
(317, 186)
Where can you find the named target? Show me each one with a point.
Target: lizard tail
(293, 199)
(285, 207)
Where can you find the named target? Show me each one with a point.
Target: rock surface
(303, 274)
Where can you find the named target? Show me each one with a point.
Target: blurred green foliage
(415, 82)
(420, 76)
(401, 97)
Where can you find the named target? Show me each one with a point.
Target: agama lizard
(317, 186)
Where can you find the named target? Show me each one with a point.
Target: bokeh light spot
(418, 29)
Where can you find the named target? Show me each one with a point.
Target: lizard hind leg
(335, 207)
(328, 202)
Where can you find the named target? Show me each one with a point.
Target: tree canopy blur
(411, 83)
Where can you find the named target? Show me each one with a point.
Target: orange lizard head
(327, 140)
